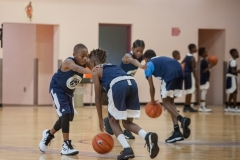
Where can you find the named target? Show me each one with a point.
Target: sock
(176, 128)
(142, 133)
(179, 118)
(122, 140)
(203, 104)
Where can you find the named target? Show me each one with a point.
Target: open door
(214, 41)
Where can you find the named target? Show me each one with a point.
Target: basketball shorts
(172, 88)
(189, 83)
(231, 86)
(205, 86)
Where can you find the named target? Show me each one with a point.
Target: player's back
(109, 73)
(166, 68)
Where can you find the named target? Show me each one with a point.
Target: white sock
(122, 140)
(203, 104)
(142, 133)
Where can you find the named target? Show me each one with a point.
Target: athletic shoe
(128, 134)
(67, 148)
(204, 109)
(126, 154)
(236, 110)
(46, 139)
(228, 109)
(152, 144)
(188, 108)
(185, 122)
(176, 136)
(107, 126)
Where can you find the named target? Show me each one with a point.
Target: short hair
(191, 46)
(232, 51)
(201, 51)
(174, 53)
(78, 46)
(100, 54)
(138, 43)
(149, 54)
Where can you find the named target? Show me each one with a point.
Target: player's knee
(127, 122)
(65, 122)
(58, 124)
(112, 120)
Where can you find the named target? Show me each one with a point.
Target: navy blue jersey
(130, 68)
(204, 77)
(67, 81)
(109, 73)
(164, 68)
(232, 65)
(187, 63)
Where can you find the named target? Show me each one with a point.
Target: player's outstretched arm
(152, 89)
(127, 58)
(71, 65)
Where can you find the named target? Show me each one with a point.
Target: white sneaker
(228, 109)
(236, 110)
(67, 148)
(46, 139)
(204, 109)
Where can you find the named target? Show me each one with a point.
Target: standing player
(123, 103)
(62, 87)
(231, 87)
(130, 63)
(171, 74)
(204, 78)
(190, 77)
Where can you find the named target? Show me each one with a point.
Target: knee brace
(65, 122)
(58, 124)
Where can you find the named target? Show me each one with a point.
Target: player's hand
(101, 126)
(154, 102)
(143, 66)
(211, 63)
(95, 68)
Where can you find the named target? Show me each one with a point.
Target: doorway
(29, 52)
(214, 41)
(116, 40)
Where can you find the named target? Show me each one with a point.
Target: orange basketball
(153, 111)
(213, 59)
(102, 143)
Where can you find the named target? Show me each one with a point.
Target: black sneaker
(152, 144)
(107, 126)
(126, 154)
(188, 108)
(128, 134)
(176, 136)
(185, 122)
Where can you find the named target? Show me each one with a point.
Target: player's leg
(117, 111)
(133, 111)
(67, 110)
(189, 84)
(203, 107)
(169, 90)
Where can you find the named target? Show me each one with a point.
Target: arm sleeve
(149, 70)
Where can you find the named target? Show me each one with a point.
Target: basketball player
(205, 66)
(123, 103)
(170, 72)
(62, 87)
(231, 87)
(130, 63)
(190, 79)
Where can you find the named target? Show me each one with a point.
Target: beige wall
(151, 21)
(20, 49)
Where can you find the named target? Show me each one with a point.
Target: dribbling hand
(154, 102)
(101, 126)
